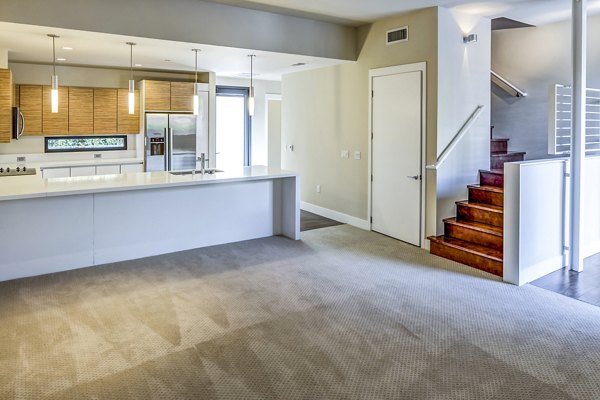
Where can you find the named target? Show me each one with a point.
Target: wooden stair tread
(492, 171)
(481, 206)
(487, 188)
(500, 139)
(509, 153)
(469, 247)
(478, 226)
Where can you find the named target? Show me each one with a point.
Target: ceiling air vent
(397, 35)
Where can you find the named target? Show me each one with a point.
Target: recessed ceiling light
(61, 59)
(299, 64)
(138, 65)
(167, 60)
(67, 48)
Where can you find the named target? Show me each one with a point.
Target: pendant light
(54, 90)
(131, 93)
(251, 94)
(196, 104)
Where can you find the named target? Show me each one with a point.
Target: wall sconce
(470, 38)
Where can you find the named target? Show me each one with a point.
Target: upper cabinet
(81, 111)
(128, 123)
(55, 123)
(30, 103)
(167, 96)
(157, 95)
(181, 96)
(6, 102)
(105, 111)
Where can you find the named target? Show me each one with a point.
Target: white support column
(3, 58)
(579, 49)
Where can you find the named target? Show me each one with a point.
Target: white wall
(260, 140)
(326, 111)
(535, 59)
(463, 84)
(275, 146)
(3, 58)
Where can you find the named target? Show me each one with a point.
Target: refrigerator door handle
(170, 132)
(167, 154)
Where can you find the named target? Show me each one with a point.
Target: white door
(396, 156)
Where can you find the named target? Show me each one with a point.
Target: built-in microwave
(18, 123)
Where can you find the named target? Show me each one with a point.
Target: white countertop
(27, 187)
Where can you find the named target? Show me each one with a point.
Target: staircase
(475, 236)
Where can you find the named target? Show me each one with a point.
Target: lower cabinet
(125, 168)
(83, 171)
(65, 172)
(56, 172)
(108, 169)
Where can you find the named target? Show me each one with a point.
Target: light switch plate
(318, 188)
(345, 154)
(98, 155)
(357, 155)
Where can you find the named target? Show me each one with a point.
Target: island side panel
(45, 235)
(140, 223)
(286, 210)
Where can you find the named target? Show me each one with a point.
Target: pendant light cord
(53, 55)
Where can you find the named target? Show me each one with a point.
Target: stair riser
(499, 146)
(464, 257)
(491, 179)
(498, 161)
(473, 236)
(486, 197)
(478, 215)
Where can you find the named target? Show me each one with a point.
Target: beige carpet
(342, 314)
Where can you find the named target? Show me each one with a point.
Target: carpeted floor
(342, 314)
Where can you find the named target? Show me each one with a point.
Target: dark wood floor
(309, 221)
(584, 286)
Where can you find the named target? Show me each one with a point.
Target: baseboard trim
(336, 216)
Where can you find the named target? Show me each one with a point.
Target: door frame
(400, 69)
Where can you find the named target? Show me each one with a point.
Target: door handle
(20, 133)
(415, 177)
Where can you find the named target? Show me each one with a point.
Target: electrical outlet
(291, 147)
(21, 159)
(345, 154)
(97, 155)
(318, 188)
(357, 155)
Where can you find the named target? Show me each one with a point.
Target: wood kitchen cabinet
(54, 123)
(105, 111)
(81, 111)
(6, 103)
(181, 96)
(30, 103)
(157, 95)
(127, 123)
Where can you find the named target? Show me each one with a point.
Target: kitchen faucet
(202, 160)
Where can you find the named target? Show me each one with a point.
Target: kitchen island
(51, 225)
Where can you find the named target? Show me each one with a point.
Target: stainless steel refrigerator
(170, 141)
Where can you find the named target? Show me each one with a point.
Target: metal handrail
(519, 92)
(459, 135)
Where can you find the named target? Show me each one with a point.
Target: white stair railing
(559, 121)
(459, 135)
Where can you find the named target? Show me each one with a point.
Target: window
(233, 128)
(60, 144)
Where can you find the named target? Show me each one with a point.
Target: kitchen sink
(208, 171)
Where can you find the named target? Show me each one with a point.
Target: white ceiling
(30, 44)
